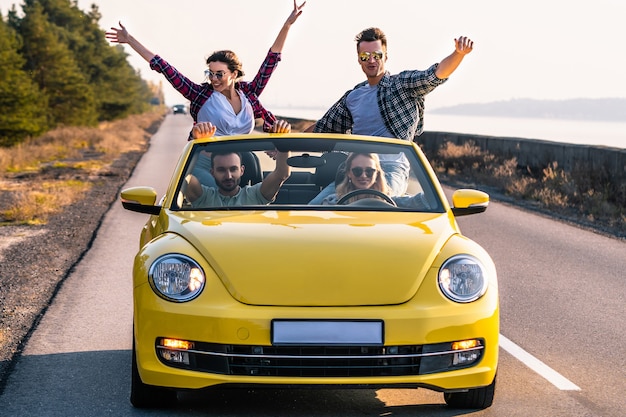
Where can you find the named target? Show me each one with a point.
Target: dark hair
(224, 153)
(371, 35)
(230, 59)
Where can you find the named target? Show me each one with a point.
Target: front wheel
(147, 396)
(478, 398)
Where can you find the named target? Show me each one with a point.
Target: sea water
(582, 132)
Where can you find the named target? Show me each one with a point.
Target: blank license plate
(327, 332)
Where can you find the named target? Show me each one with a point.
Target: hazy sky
(542, 49)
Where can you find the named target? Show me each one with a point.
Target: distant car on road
(179, 109)
(373, 290)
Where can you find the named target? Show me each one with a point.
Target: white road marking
(536, 365)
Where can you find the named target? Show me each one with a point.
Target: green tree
(22, 107)
(123, 91)
(61, 71)
(53, 67)
(118, 89)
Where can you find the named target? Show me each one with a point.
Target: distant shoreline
(600, 110)
(603, 110)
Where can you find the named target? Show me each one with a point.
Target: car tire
(148, 396)
(478, 398)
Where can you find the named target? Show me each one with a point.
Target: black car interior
(315, 163)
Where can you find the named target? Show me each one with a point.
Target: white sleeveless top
(218, 111)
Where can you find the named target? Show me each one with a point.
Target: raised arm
(121, 35)
(271, 184)
(192, 188)
(282, 35)
(462, 47)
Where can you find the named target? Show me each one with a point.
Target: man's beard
(228, 185)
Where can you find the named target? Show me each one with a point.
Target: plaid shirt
(198, 94)
(400, 101)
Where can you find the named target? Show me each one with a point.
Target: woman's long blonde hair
(380, 184)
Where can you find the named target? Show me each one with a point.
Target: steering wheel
(376, 193)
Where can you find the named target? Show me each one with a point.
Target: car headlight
(462, 278)
(176, 277)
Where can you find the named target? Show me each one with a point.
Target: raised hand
(297, 11)
(464, 45)
(118, 35)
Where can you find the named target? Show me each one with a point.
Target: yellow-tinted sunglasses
(365, 56)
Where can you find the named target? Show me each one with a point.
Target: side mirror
(466, 201)
(140, 200)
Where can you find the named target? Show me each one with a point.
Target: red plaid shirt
(198, 94)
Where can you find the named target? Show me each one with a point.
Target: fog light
(175, 356)
(173, 350)
(469, 356)
(465, 358)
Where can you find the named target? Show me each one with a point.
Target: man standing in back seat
(387, 105)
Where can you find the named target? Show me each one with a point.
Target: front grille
(309, 361)
(316, 361)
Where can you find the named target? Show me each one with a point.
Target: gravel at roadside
(37, 259)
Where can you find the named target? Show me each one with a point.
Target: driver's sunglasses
(365, 56)
(358, 171)
(210, 74)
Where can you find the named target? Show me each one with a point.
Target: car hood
(317, 259)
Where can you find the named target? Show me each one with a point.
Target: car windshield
(321, 174)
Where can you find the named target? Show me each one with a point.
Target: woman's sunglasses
(365, 56)
(210, 74)
(369, 172)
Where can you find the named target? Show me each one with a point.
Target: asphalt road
(562, 318)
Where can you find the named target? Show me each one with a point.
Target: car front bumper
(226, 342)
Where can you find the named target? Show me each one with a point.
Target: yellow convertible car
(310, 260)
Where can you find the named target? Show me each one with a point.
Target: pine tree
(118, 89)
(60, 70)
(22, 107)
(70, 97)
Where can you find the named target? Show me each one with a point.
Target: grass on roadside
(71, 144)
(34, 206)
(584, 194)
(42, 175)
